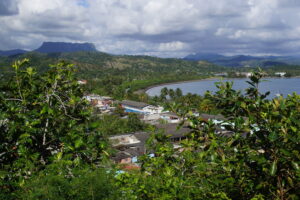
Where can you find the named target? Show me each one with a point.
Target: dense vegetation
(45, 125)
(53, 148)
(257, 158)
(119, 76)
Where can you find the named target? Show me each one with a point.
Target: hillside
(117, 75)
(96, 62)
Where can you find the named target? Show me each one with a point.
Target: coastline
(140, 91)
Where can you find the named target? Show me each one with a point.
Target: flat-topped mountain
(58, 47)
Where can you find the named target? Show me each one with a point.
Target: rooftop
(120, 140)
(134, 104)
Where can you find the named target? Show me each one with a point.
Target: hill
(12, 52)
(114, 75)
(92, 64)
(245, 60)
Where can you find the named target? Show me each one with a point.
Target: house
(123, 140)
(176, 134)
(223, 74)
(130, 146)
(170, 117)
(153, 109)
(280, 74)
(245, 74)
(101, 102)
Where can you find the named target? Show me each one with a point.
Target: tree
(134, 123)
(44, 119)
(178, 93)
(256, 157)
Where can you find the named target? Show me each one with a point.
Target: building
(245, 74)
(280, 74)
(130, 146)
(175, 133)
(223, 74)
(170, 117)
(133, 106)
(140, 107)
(123, 140)
(101, 102)
(153, 109)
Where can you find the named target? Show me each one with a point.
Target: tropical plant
(253, 154)
(43, 119)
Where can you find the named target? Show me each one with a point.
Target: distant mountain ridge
(65, 47)
(54, 47)
(244, 60)
(12, 52)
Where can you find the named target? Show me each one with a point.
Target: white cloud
(156, 27)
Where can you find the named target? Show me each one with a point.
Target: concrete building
(140, 107)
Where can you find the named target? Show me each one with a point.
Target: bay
(283, 86)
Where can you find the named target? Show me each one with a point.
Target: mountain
(204, 56)
(58, 47)
(244, 60)
(12, 52)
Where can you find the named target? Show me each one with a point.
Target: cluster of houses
(103, 103)
(147, 113)
(130, 146)
(248, 74)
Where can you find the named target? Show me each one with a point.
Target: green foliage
(51, 147)
(83, 184)
(119, 76)
(182, 104)
(258, 159)
(113, 124)
(43, 119)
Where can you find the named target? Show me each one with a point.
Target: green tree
(134, 123)
(44, 119)
(255, 157)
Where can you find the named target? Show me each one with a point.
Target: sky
(163, 28)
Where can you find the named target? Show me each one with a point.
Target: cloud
(8, 7)
(155, 27)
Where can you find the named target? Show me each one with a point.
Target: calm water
(282, 86)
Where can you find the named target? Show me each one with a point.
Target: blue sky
(165, 28)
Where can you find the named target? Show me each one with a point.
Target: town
(129, 146)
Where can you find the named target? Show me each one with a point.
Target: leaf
(78, 143)
(295, 165)
(273, 168)
(59, 155)
(273, 136)
(29, 71)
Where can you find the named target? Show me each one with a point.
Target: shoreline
(140, 91)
